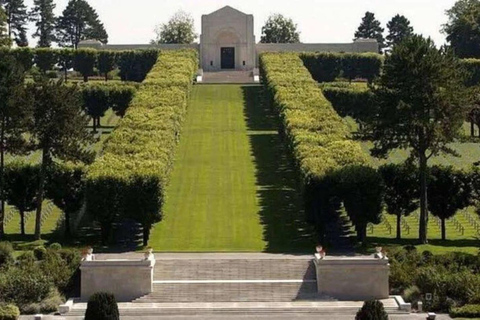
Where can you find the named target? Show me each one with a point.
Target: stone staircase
(233, 280)
(225, 77)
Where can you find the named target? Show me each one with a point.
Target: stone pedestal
(353, 278)
(126, 279)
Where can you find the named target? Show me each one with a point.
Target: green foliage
(6, 254)
(102, 306)
(45, 21)
(95, 99)
(134, 65)
(372, 310)
(55, 246)
(462, 28)
(279, 29)
(401, 191)
(138, 157)
(472, 69)
(370, 28)
(65, 60)
(9, 312)
(353, 102)
(79, 21)
(467, 311)
(40, 252)
(106, 62)
(4, 39)
(398, 29)
(45, 59)
(179, 29)
(315, 132)
(326, 67)
(24, 57)
(420, 101)
(84, 61)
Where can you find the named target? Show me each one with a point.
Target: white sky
(320, 21)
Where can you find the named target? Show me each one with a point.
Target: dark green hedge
(353, 102)
(467, 311)
(130, 178)
(326, 67)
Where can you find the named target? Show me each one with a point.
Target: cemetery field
(232, 188)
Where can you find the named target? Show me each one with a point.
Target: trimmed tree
(179, 29)
(462, 29)
(372, 310)
(449, 192)
(45, 59)
(102, 306)
(401, 191)
(15, 118)
(84, 62)
(66, 188)
(44, 18)
(279, 29)
(420, 106)
(107, 61)
(96, 101)
(370, 28)
(398, 29)
(60, 131)
(65, 60)
(79, 21)
(21, 188)
(17, 17)
(120, 99)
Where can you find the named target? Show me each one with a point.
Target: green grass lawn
(232, 188)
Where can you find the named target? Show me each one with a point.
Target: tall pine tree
(78, 22)
(42, 15)
(17, 17)
(371, 28)
(398, 29)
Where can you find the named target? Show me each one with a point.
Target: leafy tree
(45, 21)
(24, 57)
(401, 191)
(45, 59)
(15, 117)
(84, 62)
(79, 21)
(65, 60)
(449, 192)
(179, 29)
(462, 28)
(420, 106)
(66, 188)
(106, 62)
(96, 101)
(279, 29)
(371, 28)
(120, 99)
(21, 188)
(17, 17)
(4, 38)
(361, 189)
(59, 132)
(398, 29)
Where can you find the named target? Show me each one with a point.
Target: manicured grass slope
(231, 187)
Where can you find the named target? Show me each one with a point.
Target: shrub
(6, 254)
(102, 306)
(467, 311)
(55, 246)
(9, 312)
(45, 59)
(40, 252)
(24, 286)
(372, 310)
(26, 259)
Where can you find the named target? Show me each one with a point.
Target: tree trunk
(99, 125)
(106, 76)
(22, 222)
(444, 230)
(66, 74)
(472, 129)
(68, 231)
(399, 226)
(41, 187)
(85, 78)
(2, 179)
(105, 232)
(94, 124)
(146, 234)
(423, 236)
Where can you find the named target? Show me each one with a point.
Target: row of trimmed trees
(44, 116)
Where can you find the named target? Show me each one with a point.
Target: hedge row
(132, 64)
(318, 137)
(467, 311)
(326, 67)
(129, 180)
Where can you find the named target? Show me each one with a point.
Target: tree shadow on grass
(278, 189)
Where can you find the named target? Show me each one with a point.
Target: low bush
(55, 246)
(102, 306)
(6, 254)
(372, 310)
(9, 312)
(467, 311)
(40, 252)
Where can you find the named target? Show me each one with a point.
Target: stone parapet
(126, 279)
(353, 278)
